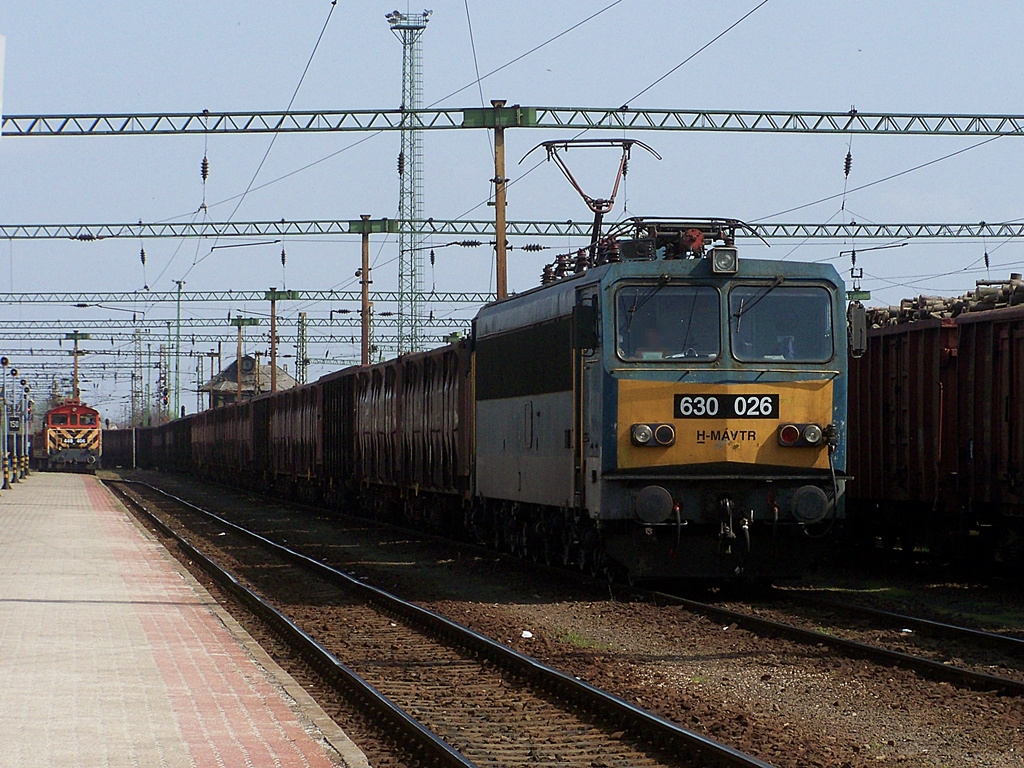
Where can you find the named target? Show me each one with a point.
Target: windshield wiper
(744, 307)
(638, 302)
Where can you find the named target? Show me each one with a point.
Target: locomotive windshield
(775, 322)
(662, 322)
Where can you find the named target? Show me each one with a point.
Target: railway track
(448, 695)
(888, 630)
(1009, 644)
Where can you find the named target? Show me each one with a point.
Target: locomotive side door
(587, 378)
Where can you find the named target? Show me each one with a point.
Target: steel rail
(618, 710)
(551, 118)
(920, 625)
(94, 232)
(411, 733)
(926, 667)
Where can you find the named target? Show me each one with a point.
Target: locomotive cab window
(780, 323)
(59, 419)
(87, 420)
(668, 322)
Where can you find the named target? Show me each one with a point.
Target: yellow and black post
(4, 362)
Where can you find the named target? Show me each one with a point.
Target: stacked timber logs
(987, 294)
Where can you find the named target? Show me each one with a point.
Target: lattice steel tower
(408, 28)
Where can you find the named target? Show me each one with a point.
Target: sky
(64, 58)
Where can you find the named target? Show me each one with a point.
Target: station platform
(111, 654)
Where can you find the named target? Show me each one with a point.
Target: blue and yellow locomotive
(658, 409)
(668, 410)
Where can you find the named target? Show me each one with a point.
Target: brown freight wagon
(411, 432)
(902, 448)
(990, 432)
(936, 434)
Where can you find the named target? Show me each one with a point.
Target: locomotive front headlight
(812, 434)
(642, 434)
(724, 260)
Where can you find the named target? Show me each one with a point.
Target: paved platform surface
(111, 654)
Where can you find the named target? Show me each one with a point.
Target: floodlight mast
(408, 28)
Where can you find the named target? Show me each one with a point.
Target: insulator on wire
(853, 258)
(433, 258)
(531, 247)
(986, 259)
(470, 243)
(284, 257)
(401, 163)
(625, 166)
(142, 255)
(204, 168)
(848, 164)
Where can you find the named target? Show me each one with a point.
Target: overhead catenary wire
(476, 69)
(674, 69)
(696, 53)
(376, 134)
(291, 101)
(273, 138)
(882, 180)
(522, 56)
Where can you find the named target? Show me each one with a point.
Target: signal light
(653, 435)
(789, 434)
(803, 435)
(664, 434)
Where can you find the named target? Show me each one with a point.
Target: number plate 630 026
(726, 407)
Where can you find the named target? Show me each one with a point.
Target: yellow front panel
(59, 438)
(709, 440)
